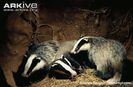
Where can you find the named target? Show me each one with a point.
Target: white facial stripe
(66, 67)
(68, 62)
(85, 47)
(75, 46)
(28, 63)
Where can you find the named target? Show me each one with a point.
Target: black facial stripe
(60, 68)
(74, 63)
(33, 64)
(64, 60)
(81, 43)
(71, 60)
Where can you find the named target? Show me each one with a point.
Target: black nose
(79, 70)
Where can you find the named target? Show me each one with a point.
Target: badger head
(83, 44)
(65, 67)
(33, 64)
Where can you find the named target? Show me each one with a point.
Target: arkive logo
(20, 6)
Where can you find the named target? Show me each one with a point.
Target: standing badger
(41, 56)
(107, 55)
(66, 65)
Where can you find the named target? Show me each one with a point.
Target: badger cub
(66, 65)
(40, 56)
(107, 55)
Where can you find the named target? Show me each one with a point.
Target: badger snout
(79, 70)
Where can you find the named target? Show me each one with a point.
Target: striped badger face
(65, 68)
(83, 44)
(33, 64)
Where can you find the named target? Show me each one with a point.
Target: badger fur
(107, 55)
(66, 67)
(40, 56)
(64, 48)
(66, 64)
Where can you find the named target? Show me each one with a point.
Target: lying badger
(65, 67)
(68, 65)
(41, 56)
(106, 55)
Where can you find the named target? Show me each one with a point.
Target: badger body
(40, 56)
(65, 68)
(107, 55)
(65, 65)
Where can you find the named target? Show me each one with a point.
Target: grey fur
(64, 51)
(45, 52)
(49, 51)
(108, 56)
(65, 47)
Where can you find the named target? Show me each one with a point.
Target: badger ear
(82, 35)
(87, 39)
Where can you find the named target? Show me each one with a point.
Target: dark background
(62, 20)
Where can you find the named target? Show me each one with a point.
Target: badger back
(119, 49)
(47, 50)
(106, 49)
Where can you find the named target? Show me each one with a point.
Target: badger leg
(115, 78)
(102, 72)
(117, 74)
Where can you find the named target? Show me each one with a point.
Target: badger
(67, 65)
(106, 55)
(40, 56)
(66, 47)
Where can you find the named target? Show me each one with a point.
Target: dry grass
(87, 76)
(81, 80)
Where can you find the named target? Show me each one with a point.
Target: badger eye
(76, 49)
